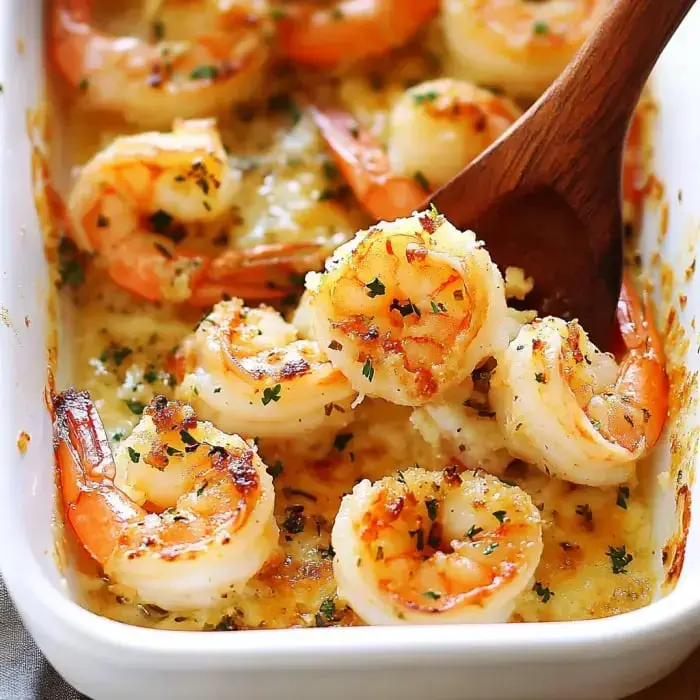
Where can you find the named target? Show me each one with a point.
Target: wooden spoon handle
(608, 74)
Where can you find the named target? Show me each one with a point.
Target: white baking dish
(606, 658)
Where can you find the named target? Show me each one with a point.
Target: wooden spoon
(547, 195)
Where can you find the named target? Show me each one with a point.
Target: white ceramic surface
(109, 661)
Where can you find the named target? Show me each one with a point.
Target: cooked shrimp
(365, 166)
(132, 204)
(435, 547)
(435, 129)
(462, 426)
(517, 45)
(347, 31)
(247, 371)
(439, 126)
(219, 531)
(407, 309)
(152, 84)
(570, 409)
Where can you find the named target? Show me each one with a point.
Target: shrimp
(407, 309)
(219, 529)
(435, 129)
(517, 45)
(572, 410)
(348, 31)
(134, 202)
(435, 547)
(152, 84)
(439, 126)
(247, 371)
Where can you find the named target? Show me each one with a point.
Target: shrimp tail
(365, 167)
(95, 509)
(271, 271)
(642, 377)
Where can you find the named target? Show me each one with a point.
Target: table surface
(683, 684)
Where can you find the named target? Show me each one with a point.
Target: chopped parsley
(70, 269)
(619, 559)
(204, 73)
(623, 494)
(376, 288)
(134, 456)
(500, 515)
(404, 309)
(433, 212)
(158, 30)
(491, 548)
(438, 308)
(544, 593)
(187, 438)
(473, 531)
(341, 441)
(116, 353)
(84, 84)
(540, 377)
(136, 407)
(327, 609)
(150, 375)
(160, 221)
(118, 435)
(368, 370)
(432, 595)
(271, 394)
(330, 170)
(431, 505)
(540, 28)
(204, 485)
(422, 97)
(172, 451)
(422, 180)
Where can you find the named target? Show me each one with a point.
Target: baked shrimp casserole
(302, 398)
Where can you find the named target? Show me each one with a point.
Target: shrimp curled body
(247, 371)
(435, 547)
(152, 84)
(133, 202)
(407, 309)
(517, 45)
(435, 129)
(349, 30)
(219, 527)
(570, 409)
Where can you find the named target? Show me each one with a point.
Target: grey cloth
(24, 672)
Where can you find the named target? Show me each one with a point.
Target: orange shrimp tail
(351, 30)
(270, 271)
(365, 167)
(642, 376)
(95, 509)
(69, 34)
